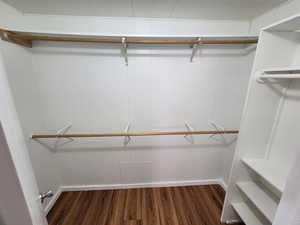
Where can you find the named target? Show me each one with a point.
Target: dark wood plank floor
(193, 205)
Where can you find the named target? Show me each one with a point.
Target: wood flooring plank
(166, 206)
(217, 194)
(133, 203)
(97, 213)
(133, 222)
(73, 205)
(192, 205)
(150, 211)
(117, 208)
(203, 206)
(198, 215)
(59, 212)
(78, 209)
(182, 211)
(212, 200)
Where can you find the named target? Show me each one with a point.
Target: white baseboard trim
(53, 200)
(143, 185)
(223, 184)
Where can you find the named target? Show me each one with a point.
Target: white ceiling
(189, 9)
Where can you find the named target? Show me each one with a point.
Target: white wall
(11, 192)
(89, 86)
(9, 16)
(87, 25)
(132, 26)
(282, 11)
(159, 90)
(18, 63)
(18, 153)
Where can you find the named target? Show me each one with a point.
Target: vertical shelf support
(124, 50)
(195, 48)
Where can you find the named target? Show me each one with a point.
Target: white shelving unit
(280, 73)
(269, 134)
(287, 70)
(270, 172)
(262, 201)
(246, 214)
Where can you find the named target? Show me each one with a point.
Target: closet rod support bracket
(195, 49)
(11, 37)
(127, 139)
(63, 131)
(189, 138)
(217, 128)
(124, 50)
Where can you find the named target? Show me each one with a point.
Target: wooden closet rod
(26, 39)
(38, 136)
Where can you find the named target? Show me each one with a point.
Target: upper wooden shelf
(25, 39)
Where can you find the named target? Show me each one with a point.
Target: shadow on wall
(138, 50)
(1, 219)
(277, 87)
(200, 147)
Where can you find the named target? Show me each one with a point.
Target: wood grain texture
(9, 36)
(192, 205)
(32, 37)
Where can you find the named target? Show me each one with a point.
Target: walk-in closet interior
(151, 112)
